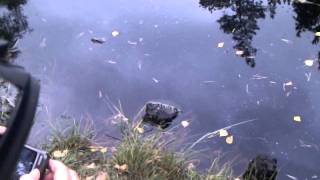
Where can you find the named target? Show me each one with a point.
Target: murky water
(168, 50)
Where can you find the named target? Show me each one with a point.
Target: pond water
(221, 61)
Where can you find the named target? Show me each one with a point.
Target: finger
(57, 166)
(33, 175)
(2, 129)
(59, 170)
(49, 176)
(74, 175)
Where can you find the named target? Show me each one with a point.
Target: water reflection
(13, 24)
(242, 22)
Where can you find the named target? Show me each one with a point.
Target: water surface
(168, 50)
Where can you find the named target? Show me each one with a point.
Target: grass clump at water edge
(136, 157)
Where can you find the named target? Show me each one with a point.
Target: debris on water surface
(112, 62)
(261, 167)
(139, 65)
(286, 41)
(258, 77)
(286, 84)
(297, 118)
(43, 43)
(160, 114)
(115, 33)
(208, 82)
(247, 89)
(314, 176)
(185, 124)
(98, 40)
(220, 45)
(308, 75)
(308, 62)
(100, 95)
(132, 43)
(80, 34)
(291, 177)
(155, 80)
(229, 139)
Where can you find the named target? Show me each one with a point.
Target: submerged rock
(262, 167)
(160, 114)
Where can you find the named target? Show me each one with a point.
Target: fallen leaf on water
(94, 148)
(140, 130)
(185, 124)
(223, 133)
(308, 62)
(60, 154)
(239, 52)
(98, 40)
(91, 166)
(317, 34)
(229, 140)
(122, 168)
(297, 118)
(115, 33)
(220, 45)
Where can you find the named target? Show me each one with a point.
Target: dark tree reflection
(241, 20)
(13, 24)
(242, 23)
(308, 20)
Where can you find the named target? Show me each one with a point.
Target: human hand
(58, 171)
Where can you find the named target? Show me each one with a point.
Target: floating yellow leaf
(60, 154)
(104, 150)
(139, 130)
(185, 124)
(122, 168)
(229, 140)
(239, 52)
(220, 45)
(115, 33)
(308, 62)
(94, 148)
(297, 118)
(223, 133)
(317, 34)
(91, 166)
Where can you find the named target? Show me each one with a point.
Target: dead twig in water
(215, 133)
